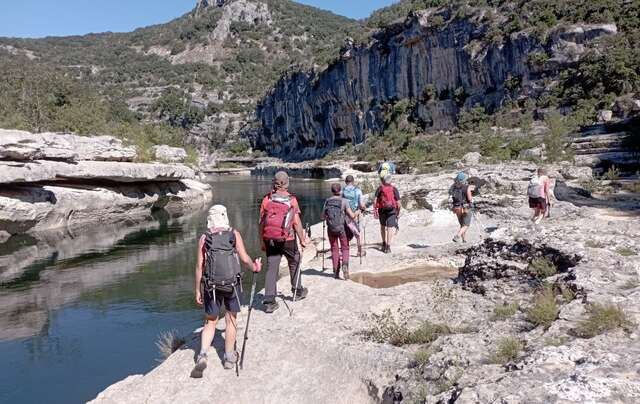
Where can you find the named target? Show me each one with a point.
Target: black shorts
(538, 203)
(214, 307)
(388, 217)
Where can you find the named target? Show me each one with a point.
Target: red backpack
(277, 218)
(386, 198)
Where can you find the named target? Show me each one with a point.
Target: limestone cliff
(443, 62)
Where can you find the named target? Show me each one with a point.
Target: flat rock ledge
(50, 181)
(316, 353)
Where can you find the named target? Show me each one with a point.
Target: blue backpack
(349, 193)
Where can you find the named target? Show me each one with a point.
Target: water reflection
(88, 307)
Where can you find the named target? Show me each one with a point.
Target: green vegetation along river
(81, 317)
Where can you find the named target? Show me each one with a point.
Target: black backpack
(334, 215)
(221, 264)
(459, 195)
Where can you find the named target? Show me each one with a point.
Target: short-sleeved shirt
(296, 212)
(353, 204)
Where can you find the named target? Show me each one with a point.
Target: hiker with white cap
(218, 281)
(280, 223)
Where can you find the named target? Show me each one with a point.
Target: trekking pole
(323, 245)
(246, 329)
(360, 243)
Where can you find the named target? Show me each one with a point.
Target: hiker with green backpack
(218, 283)
(280, 224)
(387, 209)
(353, 195)
(462, 200)
(335, 213)
(539, 193)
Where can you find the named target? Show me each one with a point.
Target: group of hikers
(221, 249)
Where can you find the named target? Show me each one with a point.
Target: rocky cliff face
(444, 67)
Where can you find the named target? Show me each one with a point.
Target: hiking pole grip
(246, 329)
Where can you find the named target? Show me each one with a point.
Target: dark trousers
(275, 251)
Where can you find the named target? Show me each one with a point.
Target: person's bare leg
(463, 231)
(536, 212)
(383, 235)
(230, 331)
(208, 332)
(391, 231)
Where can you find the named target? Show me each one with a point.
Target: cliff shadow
(625, 202)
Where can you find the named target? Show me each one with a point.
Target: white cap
(217, 217)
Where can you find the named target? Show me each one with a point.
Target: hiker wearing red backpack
(335, 212)
(279, 225)
(387, 209)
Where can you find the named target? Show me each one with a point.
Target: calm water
(79, 312)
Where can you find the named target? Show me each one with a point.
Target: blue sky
(38, 18)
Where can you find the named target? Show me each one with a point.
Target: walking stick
(246, 329)
(360, 243)
(323, 245)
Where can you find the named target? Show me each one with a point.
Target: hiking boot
(201, 365)
(388, 249)
(230, 360)
(384, 247)
(300, 293)
(270, 307)
(336, 274)
(456, 239)
(345, 272)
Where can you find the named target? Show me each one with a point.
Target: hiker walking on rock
(353, 195)
(387, 209)
(335, 212)
(218, 281)
(539, 193)
(279, 225)
(386, 168)
(462, 197)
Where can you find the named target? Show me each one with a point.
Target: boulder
(471, 158)
(571, 172)
(43, 170)
(536, 153)
(605, 115)
(626, 107)
(168, 154)
(21, 145)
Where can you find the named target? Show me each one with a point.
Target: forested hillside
(197, 76)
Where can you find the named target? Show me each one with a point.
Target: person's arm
(244, 257)
(297, 223)
(360, 197)
(199, 268)
(396, 194)
(547, 189)
(350, 213)
(470, 190)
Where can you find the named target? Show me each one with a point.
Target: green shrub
(626, 251)
(556, 138)
(507, 350)
(601, 319)
(612, 174)
(393, 329)
(422, 356)
(504, 311)
(542, 268)
(544, 310)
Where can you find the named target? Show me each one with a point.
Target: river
(80, 312)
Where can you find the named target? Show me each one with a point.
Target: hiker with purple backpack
(335, 212)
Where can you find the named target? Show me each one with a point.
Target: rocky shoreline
(62, 181)
(333, 348)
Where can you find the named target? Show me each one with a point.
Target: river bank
(63, 181)
(328, 350)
